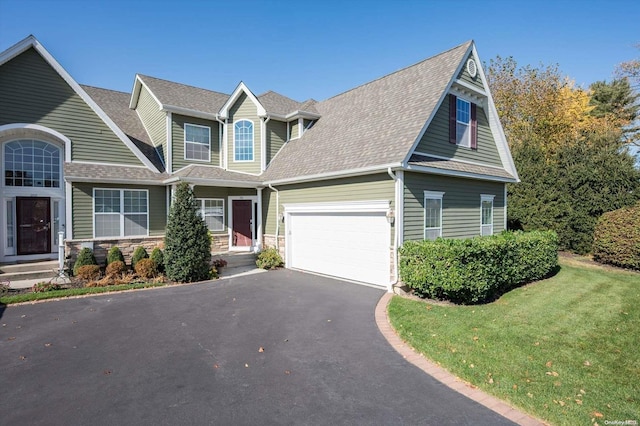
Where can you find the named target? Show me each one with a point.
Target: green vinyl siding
(177, 141)
(361, 188)
(222, 193)
(154, 120)
(294, 129)
(82, 205)
(244, 109)
(460, 205)
(276, 137)
(31, 91)
(435, 140)
(466, 77)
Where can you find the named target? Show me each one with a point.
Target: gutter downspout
(263, 153)
(223, 141)
(277, 216)
(395, 235)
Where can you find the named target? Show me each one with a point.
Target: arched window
(29, 162)
(243, 141)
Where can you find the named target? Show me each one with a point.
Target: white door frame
(254, 226)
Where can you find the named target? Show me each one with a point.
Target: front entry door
(34, 225)
(241, 211)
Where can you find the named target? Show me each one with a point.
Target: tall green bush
(85, 257)
(617, 238)
(158, 257)
(187, 253)
(479, 269)
(138, 254)
(114, 255)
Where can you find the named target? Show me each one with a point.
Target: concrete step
(29, 271)
(235, 260)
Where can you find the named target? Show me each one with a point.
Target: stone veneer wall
(219, 244)
(270, 241)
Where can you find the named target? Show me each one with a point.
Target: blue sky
(314, 49)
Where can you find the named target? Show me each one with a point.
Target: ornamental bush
(146, 268)
(138, 254)
(85, 257)
(88, 272)
(479, 269)
(115, 269)
(187, 252)
(617, 238)
(158, 257)
(114, 255)
(269, 258)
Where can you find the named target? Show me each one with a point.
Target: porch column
(259, 220)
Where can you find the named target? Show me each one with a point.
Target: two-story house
(335, 185)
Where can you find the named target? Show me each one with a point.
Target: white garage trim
(368, 250)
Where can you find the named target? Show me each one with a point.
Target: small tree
(187, 253)
(158, 257)
(114, 255)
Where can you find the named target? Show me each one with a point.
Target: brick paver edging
(442, 375)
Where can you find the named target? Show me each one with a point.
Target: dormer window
(243, 141)
(197, 142)
(463, 127)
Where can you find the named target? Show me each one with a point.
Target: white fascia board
(190, 112)
(443, 95)
(242, 88)
(455, 173)
(213, 182)
(302, 114)
(471, 88)
(335, 175)
(344, 206)
(32, 42)
(137, 86)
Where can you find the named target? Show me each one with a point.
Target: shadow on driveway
(276, 348)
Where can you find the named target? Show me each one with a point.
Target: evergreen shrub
(617, 238)
(138, 254)
(85, 257)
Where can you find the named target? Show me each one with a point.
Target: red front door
(34, 225)
(241, 211)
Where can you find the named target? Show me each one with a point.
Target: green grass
(30, 297)
(564, 349)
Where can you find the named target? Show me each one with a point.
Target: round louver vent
(472, 68)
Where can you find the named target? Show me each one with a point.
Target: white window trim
(432, 195)
(483, 198)
(468, 133)
(253, 141)
(33, 188)
(121, 213)
(201, 210)
(184, 146)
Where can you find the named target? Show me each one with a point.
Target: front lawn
(564, 349)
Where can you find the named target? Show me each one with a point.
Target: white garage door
(351, 245)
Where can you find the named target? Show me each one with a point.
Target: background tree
(617, 103)
(187, 254)
(569, 147)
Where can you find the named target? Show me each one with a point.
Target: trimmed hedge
(85, 257)
(616, 239)
(114, 255)
(479, 269)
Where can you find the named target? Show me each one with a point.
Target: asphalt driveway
(274, 348)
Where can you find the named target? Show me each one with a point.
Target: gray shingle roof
(110, 173)
(457, 166)
(372, 125)
(278, 104)
(116, 106)
(183, 96)
(215, 173)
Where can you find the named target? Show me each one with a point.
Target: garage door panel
(347, 245)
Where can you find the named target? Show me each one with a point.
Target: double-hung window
(197, 142)
(120, 212)
(486, 214)
(212, 211)
(432, 214)
(463, 124)
(243, 141)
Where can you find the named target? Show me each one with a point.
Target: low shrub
(138, 254)
(218, 263)
(616, 239)
(115, 269)
(269, 258)
(479, 269)
(88, 272)
(146, 268)
(85, 257)
(158, 257)
(114, 255)
(44, 286)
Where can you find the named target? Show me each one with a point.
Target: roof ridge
(104, 88)
(182, 84)
(468, 42)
